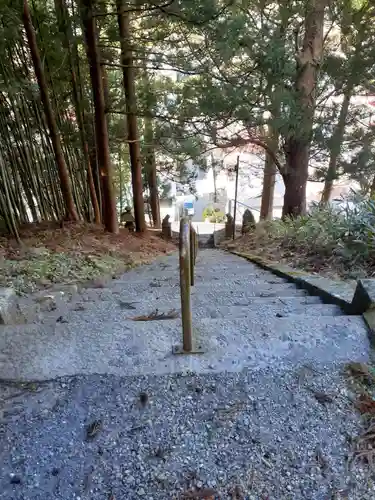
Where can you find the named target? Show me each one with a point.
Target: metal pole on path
(235, 198)
(192, 252)
(185, 288)
(185, 280)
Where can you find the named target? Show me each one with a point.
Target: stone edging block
(8, 307)
(353, 299)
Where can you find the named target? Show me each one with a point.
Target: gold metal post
(187, 257)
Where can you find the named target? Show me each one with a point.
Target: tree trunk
(336, 143)
(66, 30)
(131, 108)
(150, 164)
(295, 181)
(66, 187)
(150, 160)
(101, 130)
(269, 179)
(372, 188)
(297, 143)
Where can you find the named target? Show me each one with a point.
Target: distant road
(201, 227)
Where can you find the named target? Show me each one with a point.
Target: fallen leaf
(143, 398)
(126, 305)
(156, 316)
(365, 404)
(362, 372)
(61, 319)
(203, 494)
(93, 429)
(322, 398)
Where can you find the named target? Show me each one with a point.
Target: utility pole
(235, 197)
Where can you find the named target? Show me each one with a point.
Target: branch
(241, 141)
(196, 22)
(128, 9)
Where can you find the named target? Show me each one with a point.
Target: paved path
(243, 317)
(264, 413)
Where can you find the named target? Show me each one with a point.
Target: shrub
(344, 233)
(215, 215)
(208, 212)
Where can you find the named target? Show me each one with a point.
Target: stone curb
(330, 291)
(358, 300)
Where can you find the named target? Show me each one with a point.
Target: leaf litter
(76, 253)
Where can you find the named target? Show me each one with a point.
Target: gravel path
(95, 333)
(265, 414)
(257, 435)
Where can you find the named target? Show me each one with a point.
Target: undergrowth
(76, 253)
(337, 239)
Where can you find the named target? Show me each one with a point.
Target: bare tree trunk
(269, 179)
(65, 28)
(372, 188)
(131, 107)
(336, 143)
(66, 187)
(150, 160)
(150, 164)
(297, 144)
(109, 200)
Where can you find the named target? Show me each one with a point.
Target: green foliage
(236, 70)
(214, 215)
(55, 267)
(345, 233)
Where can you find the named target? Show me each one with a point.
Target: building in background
(216, 188)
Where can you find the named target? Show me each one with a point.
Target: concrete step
(109, 311)
(118, 307)
(125, 348)
(166, 280)
(215, 288)
(219, 294)
(202, 274)
(220, 298)
(267, 310)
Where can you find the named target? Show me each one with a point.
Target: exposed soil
(74, 253)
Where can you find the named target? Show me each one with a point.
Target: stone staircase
(264, 413)
(243, 317)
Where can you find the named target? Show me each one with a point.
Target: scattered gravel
(264, 414)
(255, 434)
(96, 335)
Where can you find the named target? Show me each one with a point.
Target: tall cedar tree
(297, 143)
(66, 29)
(269, 178)
(66, 188)
(355, 27)
(150, 166)
(102, 143)
(149, 155)
(131, 110)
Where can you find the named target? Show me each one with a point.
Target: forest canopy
(104, 102)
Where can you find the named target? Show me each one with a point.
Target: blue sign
(188, 205)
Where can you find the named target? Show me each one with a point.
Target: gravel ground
(96, 335)
(263, 434)
(258, 416)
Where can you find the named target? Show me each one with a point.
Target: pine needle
(156, 316)
(365, 446)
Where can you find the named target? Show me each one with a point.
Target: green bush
(214, 215)
(208, 212)
(217, 217)
(346, 231)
